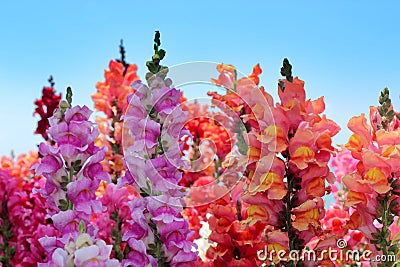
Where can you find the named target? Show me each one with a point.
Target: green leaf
(386, 235)
(390, 115)
(281, 85)
(150, 65)
(394, 249)
(161, 54)
(156, 58)
(376, 235)
(396, 238)
(77, 163)
(82, 227)
(63, 205)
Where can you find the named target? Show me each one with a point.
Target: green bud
(64, 104)
(69, 95)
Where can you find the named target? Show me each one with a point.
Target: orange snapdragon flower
(20, 168)
(114, 90)
(111, 98)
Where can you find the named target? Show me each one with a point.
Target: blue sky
(344, 50)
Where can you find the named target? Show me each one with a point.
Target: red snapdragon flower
(45, 107)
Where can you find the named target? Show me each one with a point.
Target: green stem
(117, 237)
(217, 164)
(385, 241)
(71, 176)
(381, 239)
(288, 210)
(239, 210)
(385, 227)
(116, 118)
(156, 248)
(235, 81)
(289, 199)
(115, 147)
(196, 153)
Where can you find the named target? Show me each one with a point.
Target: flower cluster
(111, 99)
(210, 141)
(233, 241)
(72, 172)
(114, 222)
(23, 214)
(45, 108)
(342, 164)
(339, 213)
(20, 167)
(289, 147)
(373, 188)
(158, 232)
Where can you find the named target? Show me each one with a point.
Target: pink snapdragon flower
(138, 227)
(155, 124)
(77, 249)
(165, 100)
(73, 174)
(138, 255)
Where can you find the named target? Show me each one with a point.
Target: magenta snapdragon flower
(73, 174)
(154, 124)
